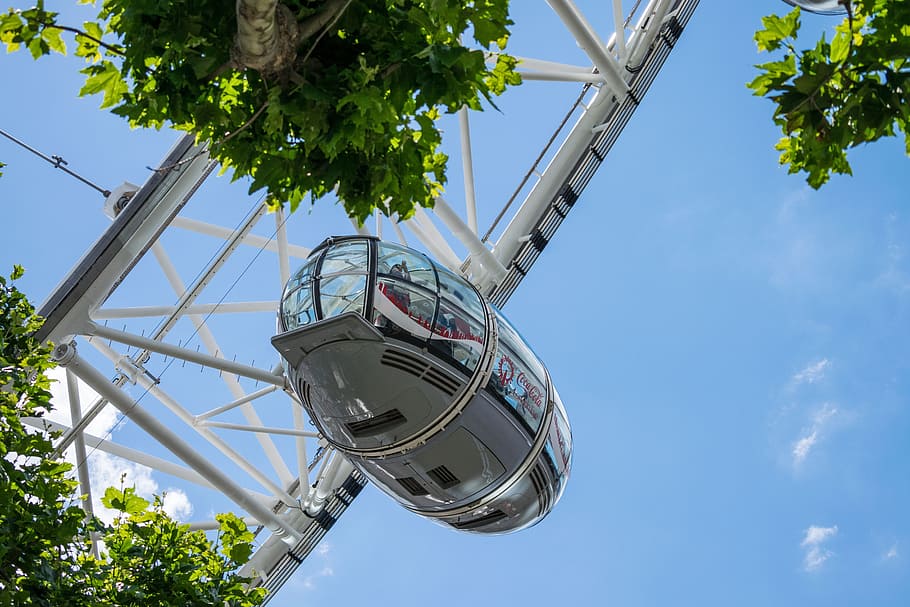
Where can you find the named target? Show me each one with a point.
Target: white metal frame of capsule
(302, 492)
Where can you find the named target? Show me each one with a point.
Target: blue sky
(731, 346)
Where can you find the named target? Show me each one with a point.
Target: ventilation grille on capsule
(377, 424)
(418, 368)
(303, 391)
(486, 519)
(412, 486)
(443, 477)
(539, 479)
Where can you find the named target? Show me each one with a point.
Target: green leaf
(124, 500)
(840, 46)
(104, 78)
(52, 36)
(777, 29)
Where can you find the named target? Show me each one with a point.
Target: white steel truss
(235, 426)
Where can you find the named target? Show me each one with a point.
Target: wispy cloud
(812, 373)
(891, 554)
(813, 542)
(321, 554)
(106, 470)
(812, 434)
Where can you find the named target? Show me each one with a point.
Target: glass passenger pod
(375, 384)
(381, 342)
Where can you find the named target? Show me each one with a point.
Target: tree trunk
(266, 36)
(267, 33)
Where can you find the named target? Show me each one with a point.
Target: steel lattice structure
(234, 426)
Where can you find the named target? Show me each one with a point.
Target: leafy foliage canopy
(840, 94)
(45, 556)
(356, 111)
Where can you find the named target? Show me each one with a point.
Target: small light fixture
(821, 7)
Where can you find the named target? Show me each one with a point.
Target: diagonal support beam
(66, 355)
(592, 45)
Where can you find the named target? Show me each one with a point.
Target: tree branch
(114, 49)
(328, 15)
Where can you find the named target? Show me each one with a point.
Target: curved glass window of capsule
(457, 290)
(398, 303)
(406, 264)
(297, 307)
(457, 335)
(342, 293)
(346, 257)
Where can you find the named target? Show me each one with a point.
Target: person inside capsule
(424, 385)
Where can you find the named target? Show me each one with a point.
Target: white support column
(254, 240)
(548, 185)
(429, 235)
(212, 525)
(208, 340)
(186, 354)
(360, 229)
(538, 69)
(303, 472)
(337, 468)
(620, 36)
(647, 29)
(491, 271)
(591, 44)
(400, 233)
(467, 168)
(85, 487)
(258, 429)
(284, 262)
(240, 401)
(206, 309)
(66, 356)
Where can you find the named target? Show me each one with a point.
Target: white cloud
(802, 447)
(176, 504)
(813, 372)
(811, 435)
(816, 554)
(322, 557)
(891, 554)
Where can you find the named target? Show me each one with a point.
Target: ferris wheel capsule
(822, 7)
(424, 385)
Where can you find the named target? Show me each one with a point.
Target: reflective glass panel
(514, 383)
(297, 307)
(342, 293)
(346, 257)
(458, 335)
(404, 306)
(558, 447)
(518, 376)
(457, 290)
(516, 343)
(406, 264)
(304, 274)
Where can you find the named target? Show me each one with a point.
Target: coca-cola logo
(532, 390)
(506, 370)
